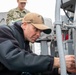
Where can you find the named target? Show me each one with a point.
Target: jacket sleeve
(17, 59)
(9, 16)
(53, 72)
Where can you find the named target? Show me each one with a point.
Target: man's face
(31, 33)
(21, 5)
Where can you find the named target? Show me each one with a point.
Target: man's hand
(70, 62)
(56, 63)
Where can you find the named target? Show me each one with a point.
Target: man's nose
(38, 33)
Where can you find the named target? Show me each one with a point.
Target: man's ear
(23, 26)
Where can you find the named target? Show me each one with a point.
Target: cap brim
(24, 1)
(43, 27)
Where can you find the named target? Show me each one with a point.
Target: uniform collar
(17, 10)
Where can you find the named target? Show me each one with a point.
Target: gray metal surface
(59, 38)
(68, 5)
(44, 48)
(3, 16)
(74, 34)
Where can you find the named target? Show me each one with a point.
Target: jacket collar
(17, 25)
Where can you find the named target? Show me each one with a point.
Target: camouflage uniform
(15, 14)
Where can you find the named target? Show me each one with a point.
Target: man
(17, 13)
(16, 57)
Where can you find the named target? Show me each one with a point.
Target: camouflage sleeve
(9, 16)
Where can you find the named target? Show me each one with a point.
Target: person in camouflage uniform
(17, 13)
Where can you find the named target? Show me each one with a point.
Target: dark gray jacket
(16, 56)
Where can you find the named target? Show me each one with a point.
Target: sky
(44, 7)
